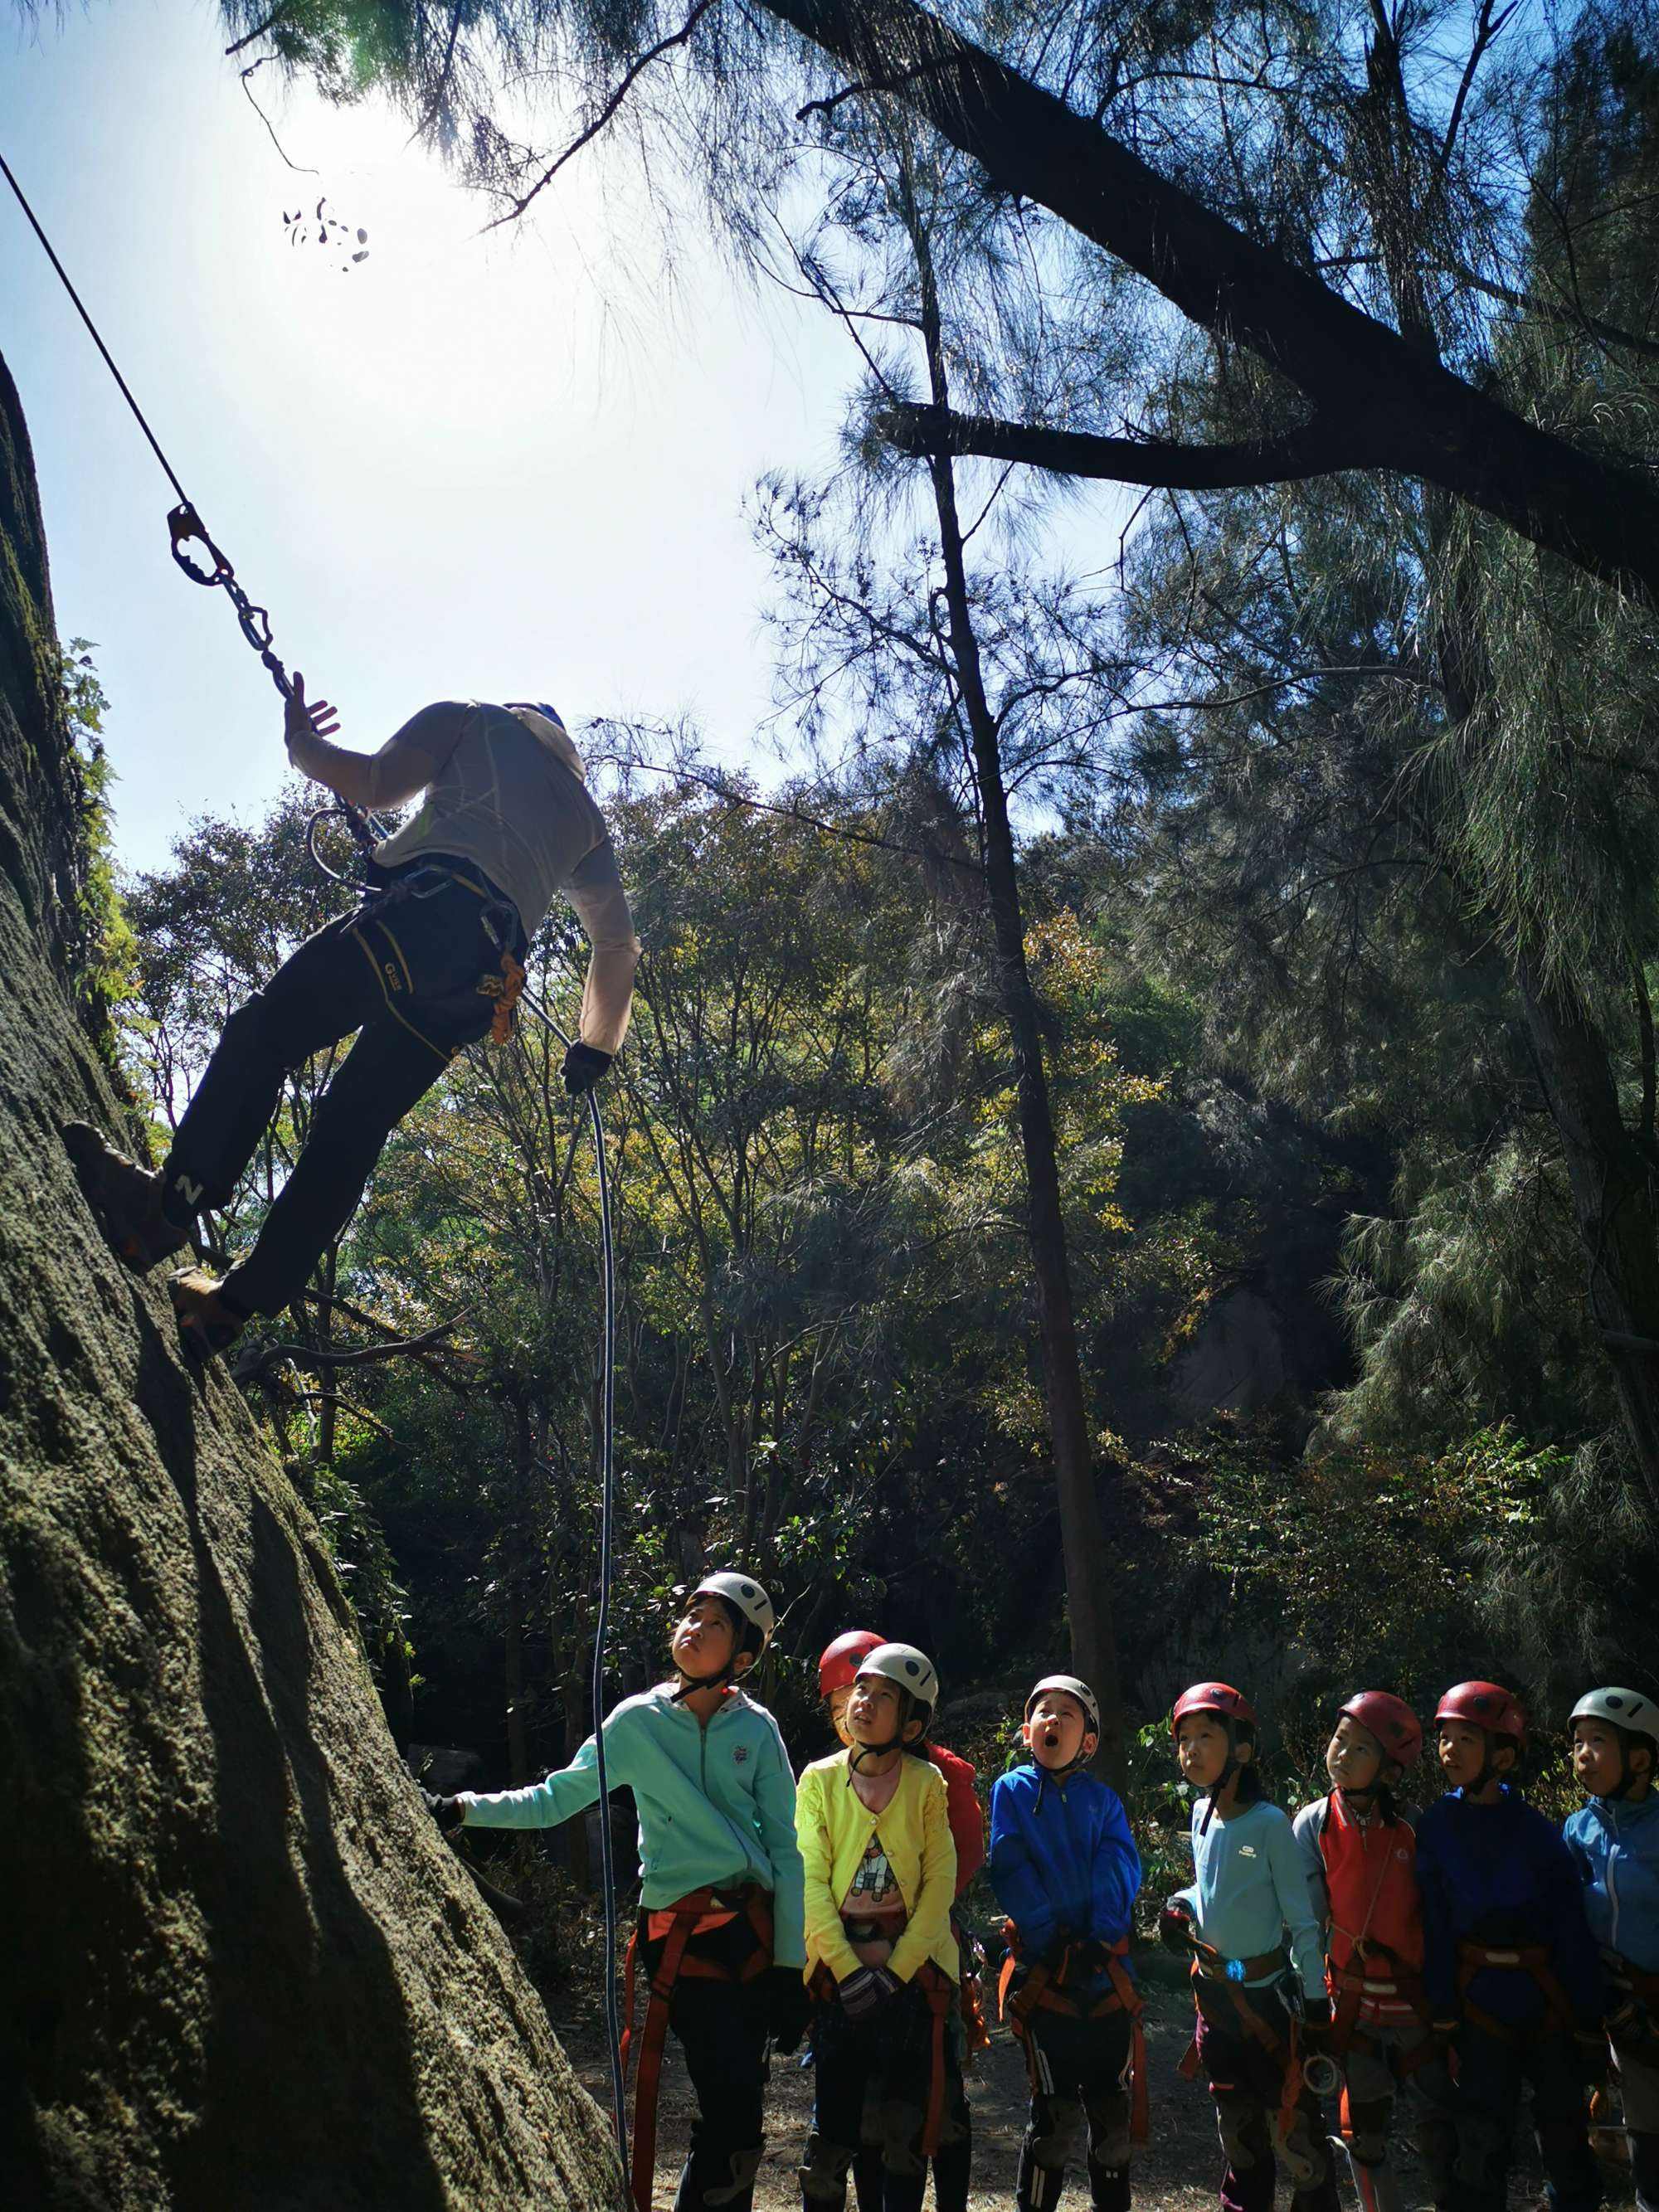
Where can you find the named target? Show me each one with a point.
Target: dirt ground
(1178, 2171)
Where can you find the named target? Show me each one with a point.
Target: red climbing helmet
(838, 1667)
(1484, 1705)
(1391, 1720)
(1214, 1698)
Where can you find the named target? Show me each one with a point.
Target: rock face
(239, 1968)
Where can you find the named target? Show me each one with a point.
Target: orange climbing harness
(674, 1926)
(1212, 1971)
(943, 1998)
(1044, 1989)
(1530, 1959)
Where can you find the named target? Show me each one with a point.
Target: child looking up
(1614, 1840)
(881, 1871)
(1250, 1889)
(1361, 1861)
(1065, 1870)
(721, 1922)
(953, 2160)
(1511, 1974)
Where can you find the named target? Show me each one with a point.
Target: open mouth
(1051, 1739)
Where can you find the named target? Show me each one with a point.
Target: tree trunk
(1082, 1531)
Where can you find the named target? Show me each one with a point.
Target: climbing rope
(185, 529)
(601, 1629)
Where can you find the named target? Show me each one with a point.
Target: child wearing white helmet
(1066, 1871)
(1614, 1843)
(880, 1877)
(721, 1909)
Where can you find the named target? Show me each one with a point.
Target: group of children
(1336, 1961)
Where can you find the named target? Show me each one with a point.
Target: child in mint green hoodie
(723, 1913)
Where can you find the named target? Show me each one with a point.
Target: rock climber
(427, 964)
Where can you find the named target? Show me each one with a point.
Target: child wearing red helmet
(1361, 1861)
(1508, 1964)
(1250, 1891)
(838, 1668)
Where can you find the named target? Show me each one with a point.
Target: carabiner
(184, 524)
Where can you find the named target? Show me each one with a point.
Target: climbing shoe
(126, 1198)
(209, 1322)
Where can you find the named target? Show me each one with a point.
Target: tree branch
(253, 1365)
(636, 71)
(1317, 449)
(1426, 421)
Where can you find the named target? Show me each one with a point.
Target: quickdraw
(1044, 1989)
(698, 1913)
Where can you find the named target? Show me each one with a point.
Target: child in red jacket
(837, 1671)
(1361, 1858)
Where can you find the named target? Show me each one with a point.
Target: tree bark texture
(1425, 421)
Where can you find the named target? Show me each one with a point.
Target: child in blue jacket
(1510, 1972)
(1064, 1869)
(1614, 1842)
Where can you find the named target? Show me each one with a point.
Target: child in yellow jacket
(881, 1961)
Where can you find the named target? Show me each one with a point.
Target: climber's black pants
(416, 972)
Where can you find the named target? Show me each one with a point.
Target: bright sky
(466, 466)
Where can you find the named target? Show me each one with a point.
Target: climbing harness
(1049, 1988)
(185, 529)
(942, 1998)
(699, 1913)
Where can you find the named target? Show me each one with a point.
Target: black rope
(138, 413)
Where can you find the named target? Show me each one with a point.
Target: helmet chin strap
(691, 1684)
(858, 1752)
(1228, 1770)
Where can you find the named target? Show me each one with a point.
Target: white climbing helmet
(1624, 1709)
(1073, 1687)
(913, 1670)
(750, 1599)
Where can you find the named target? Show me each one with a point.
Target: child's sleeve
(1439, 1950)
(1016, 1880)
(774, 1817)
(1573, 1954)
(967, 1821)
(825, 1936)
(1113, 1874)
(1306, 1828)
(571, 1791)
(928, 1926)
(1290, 1887)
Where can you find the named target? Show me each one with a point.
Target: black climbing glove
(788, 2008)
(866, 1991)
(1174, 1928)
(583, 1067)
(450, 1813)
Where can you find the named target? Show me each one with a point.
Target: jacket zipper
(1613, 1880)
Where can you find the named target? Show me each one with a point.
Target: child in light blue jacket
(1614, 1843)
(722, 1902)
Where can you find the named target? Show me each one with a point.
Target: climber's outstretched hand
(304, 718)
